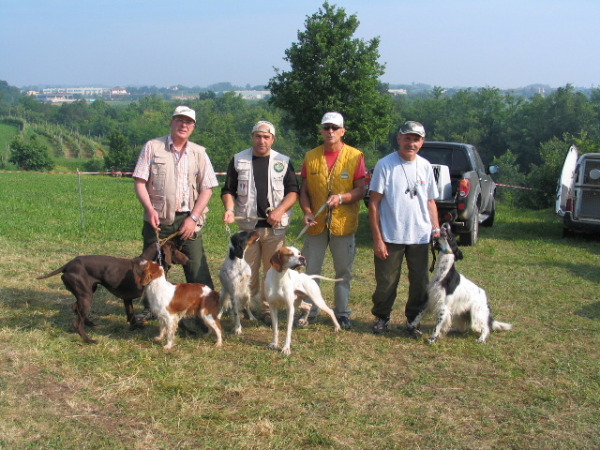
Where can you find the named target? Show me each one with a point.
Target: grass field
(535, 387)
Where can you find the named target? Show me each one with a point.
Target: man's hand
(187, 229)
(229, 216)
(309, 219)
(380, 250)
(152, 218)
(274, 217)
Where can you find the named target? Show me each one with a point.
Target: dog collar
(445, 250)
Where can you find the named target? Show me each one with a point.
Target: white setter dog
(172, 302)
(235, 278)
(286, 288)
(454, 299)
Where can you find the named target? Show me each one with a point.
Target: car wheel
(490, 219)
(470, 237)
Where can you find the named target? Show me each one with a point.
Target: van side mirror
(493, 169)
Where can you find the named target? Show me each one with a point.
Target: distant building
(82, 91)
(71, 94)
(56, 98)
(253, 95)
(398, 91)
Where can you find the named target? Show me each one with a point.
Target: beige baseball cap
(264, 126)
(185, 111)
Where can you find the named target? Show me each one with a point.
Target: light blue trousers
(343, 251)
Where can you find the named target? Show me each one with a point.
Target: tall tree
(120, 155)
(331, 71)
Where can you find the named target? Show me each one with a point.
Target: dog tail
(319, 277)
(51, 274)
(501, 326)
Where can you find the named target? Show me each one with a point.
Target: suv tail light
(569, 205)
(464, 187)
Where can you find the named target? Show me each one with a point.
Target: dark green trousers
(387, 278)
(196, 270)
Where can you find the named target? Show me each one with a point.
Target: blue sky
(448, 43)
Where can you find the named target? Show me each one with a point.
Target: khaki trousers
(260, 253)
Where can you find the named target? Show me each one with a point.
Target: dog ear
(173, 255)
(458, 255)
(276, 261)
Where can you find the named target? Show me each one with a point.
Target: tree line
(527, 138)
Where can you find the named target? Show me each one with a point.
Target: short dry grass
(534, 387)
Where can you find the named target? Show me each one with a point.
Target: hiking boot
(344, 322)
(414, 332)
(145, 316)
(381, 325)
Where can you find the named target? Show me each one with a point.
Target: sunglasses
(184, 121)
(331, 127)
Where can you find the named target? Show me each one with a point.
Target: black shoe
(145, 316)
(414, 332)
(344, 322)
(381, 326)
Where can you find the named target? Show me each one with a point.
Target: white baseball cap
(264, 126)
(334, 118)
(185, 111)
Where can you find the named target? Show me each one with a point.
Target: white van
(578, 193)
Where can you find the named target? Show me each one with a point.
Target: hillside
(62, 143)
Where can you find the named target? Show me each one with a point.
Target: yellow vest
(341, 221)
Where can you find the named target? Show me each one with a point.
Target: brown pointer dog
(82, 275)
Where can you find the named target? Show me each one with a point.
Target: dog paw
(432, 340)
(218, 344)
(286, 351)
(238, 331)
(168, 347)
(272, 346)
(301, 323)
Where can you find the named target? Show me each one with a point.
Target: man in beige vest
(174, 179)
(333, 174)
(259, 192)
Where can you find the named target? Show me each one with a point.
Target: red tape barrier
(518, 187)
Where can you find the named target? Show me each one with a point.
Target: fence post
(80, 200)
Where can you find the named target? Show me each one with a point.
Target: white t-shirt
(406, 187)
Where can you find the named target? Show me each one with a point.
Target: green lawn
(535, 387)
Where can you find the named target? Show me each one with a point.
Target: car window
(460, 163)
(437, 155)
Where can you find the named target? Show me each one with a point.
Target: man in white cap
(403, 217)
(174, 179)
(259, 192)
(333, 175)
